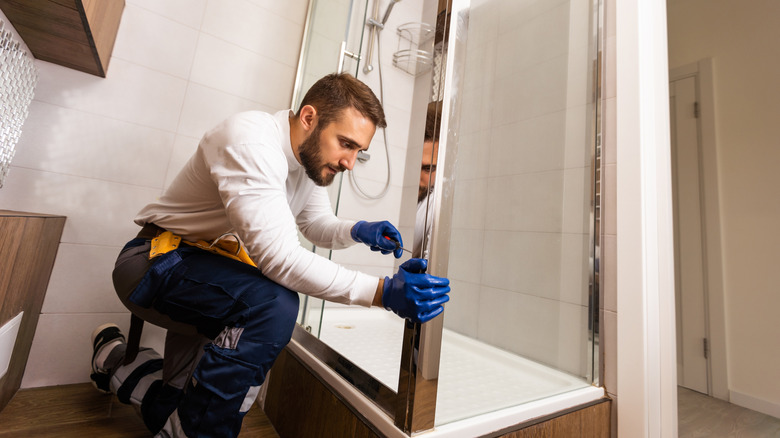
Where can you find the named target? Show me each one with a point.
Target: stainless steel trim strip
(421, 351)
(597, 176)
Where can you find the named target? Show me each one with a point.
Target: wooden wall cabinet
(77, 34)
(28, 246)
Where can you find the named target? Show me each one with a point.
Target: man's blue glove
(413, 294)
(373, 234)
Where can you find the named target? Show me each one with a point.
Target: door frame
(713, 263)
(690, 269)
(646, 340)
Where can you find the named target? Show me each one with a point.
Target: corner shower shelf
(412, 56)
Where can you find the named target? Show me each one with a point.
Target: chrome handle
(344, 52)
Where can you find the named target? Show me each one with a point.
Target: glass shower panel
(519, 146)
(334, 31)
(331, 23)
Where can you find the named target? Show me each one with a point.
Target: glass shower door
(515, 227)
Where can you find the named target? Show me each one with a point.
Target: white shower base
(474, 378)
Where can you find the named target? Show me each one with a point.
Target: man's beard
(311, 159)
(423, 192)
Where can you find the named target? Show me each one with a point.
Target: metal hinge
(706, 349)
(696, 109)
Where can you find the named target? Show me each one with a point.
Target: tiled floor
(703, 416)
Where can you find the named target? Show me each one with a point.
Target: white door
(690, 279)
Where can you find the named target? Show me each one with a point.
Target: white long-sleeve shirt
(245, 179)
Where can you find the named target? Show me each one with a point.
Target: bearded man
(217, 261)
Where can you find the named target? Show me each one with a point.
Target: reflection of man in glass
(427, 179)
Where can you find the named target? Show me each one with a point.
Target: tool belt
(164, 241)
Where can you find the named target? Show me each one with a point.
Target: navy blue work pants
(246, 318)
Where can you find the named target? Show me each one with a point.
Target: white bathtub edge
(471, 427)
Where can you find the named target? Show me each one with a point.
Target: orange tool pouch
(167, 241)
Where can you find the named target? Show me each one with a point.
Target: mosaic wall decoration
(17, 84)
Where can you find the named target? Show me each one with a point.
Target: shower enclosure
(514, 211)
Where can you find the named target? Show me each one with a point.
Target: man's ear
(308, 117)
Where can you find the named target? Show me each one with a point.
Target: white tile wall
(247, 25)
(98, 212)
(241, 72)
(576, 200)
(478, 162)
(574, 268)
(529, 41)
(530, 145)
(293, 11)
(52, 130)
(577, 151)
(547, 331)
(609, 272)
(187, 12)
(183, 148)
(61, 351)
(98, 149)
(131, 92)
(156, 41)
(610, 199)
(71, 274)
(205, 106)
(525, 262)
(462, 313)
(525, 202)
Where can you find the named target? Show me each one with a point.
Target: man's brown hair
(339, 91)
(433, 121)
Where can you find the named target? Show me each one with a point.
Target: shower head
(387, 12)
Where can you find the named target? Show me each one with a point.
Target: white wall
(741, 38)
(97, 150)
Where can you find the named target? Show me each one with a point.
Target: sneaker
(105, 354)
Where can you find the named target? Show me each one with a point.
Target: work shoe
(108, 349)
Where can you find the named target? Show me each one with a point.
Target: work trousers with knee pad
(226, 324)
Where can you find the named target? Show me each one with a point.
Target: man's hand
(413, 294)
(373, 234)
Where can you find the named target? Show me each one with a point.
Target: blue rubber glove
(373, 234)
(413, 294)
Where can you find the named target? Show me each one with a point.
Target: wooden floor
(76, 411)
